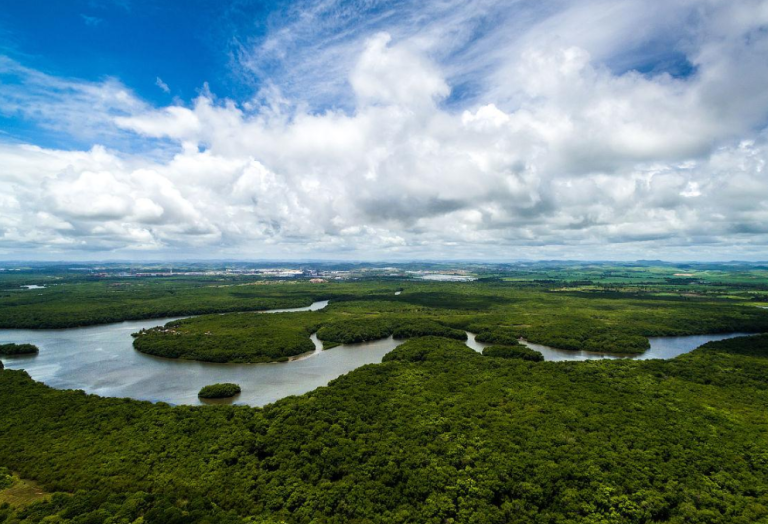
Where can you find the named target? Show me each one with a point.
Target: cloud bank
(472, 130)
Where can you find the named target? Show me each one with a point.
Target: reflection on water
(101, 360)
(474, 344)
(661, 347)
(315, 306)
(447, 278)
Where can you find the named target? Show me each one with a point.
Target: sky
(384, 130)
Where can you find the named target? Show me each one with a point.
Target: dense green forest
(70, 304)
(517, 351)
(76, 297)
(437, 433)
(18, 349)
(500, 314)
(500, 311)
(219, 391)
(237, 337)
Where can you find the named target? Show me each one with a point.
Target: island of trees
(516, 351)
(225, 390)
(18, 349)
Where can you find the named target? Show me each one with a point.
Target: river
(101, 360)
(661, 347)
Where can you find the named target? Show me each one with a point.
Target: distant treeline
(499, 312)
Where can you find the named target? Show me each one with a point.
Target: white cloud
(560, 155)
(395, 75)
(162, 85)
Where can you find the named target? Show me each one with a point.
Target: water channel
(101, 360)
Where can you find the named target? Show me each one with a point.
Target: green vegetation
(437, 433)
(500, 314)
(17, 493)
(517, 351)
(256, 337)
(433, 349)
(365, 329)
(238, 337)
(82, 303)
(498, 335)
(592, 307)
(6, 479)
(219, 391)
(18, 349)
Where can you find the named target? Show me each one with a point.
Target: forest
(513, 351)
(436, 433)
(219, 391)
(499, 313)
(18, 349)
(77, 298)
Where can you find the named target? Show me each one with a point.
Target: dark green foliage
(225, 390)
(429, 349)
(498, 335)
(236, 337)
(751, 347)
(6, 479)
(518, 351)
(82, 303)
(547, 306)
(423, 328)
(435, 434)
(18, 349)
(373, 328)
(95, 507)
(577, 336)
(356, 330)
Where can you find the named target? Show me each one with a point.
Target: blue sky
(371, 129)
(184, 44)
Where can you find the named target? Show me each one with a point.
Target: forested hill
(435, 434)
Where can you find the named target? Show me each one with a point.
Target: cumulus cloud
(395, 76)
(562, 151)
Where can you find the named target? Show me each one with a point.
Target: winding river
(101, 360)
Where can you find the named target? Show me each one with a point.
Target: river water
(661, 347)
(101, 360)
